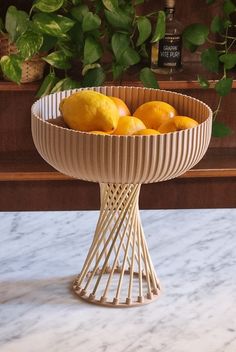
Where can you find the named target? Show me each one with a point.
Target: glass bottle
(166, 53)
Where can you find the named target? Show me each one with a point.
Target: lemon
(154, 113)
(178, 123)
(128, 125)
(98, 132)
(146, 132)
(121, 106)
(88, 110)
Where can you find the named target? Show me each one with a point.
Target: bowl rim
(74, 90)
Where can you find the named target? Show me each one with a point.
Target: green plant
(78, 35)
(218, 56)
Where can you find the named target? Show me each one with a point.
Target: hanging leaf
(143, 51)
(219, 129)
(148, 78)
(217, 25)
(58, 87)
(191, 47)
(196, 33)
(70, 84)
(90, 22)
(119, 20)
(94, 77)
(68, 47)
(203, 82)
(88, 67)
(209, 2)
(58, 59)
(229, 60)
(16, 22)
(129, 57)
(92, 50)
(48, 83)
(160, 28)
(144, 29)
(54, 25)
(117, 70)
(48, 5)
(11, 67)
(65, 84)
(210, 59)
(79, 12)
(229, 7)
(29, 44)
(111, 5)
(223, 87)
(119, 43)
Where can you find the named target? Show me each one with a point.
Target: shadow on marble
(56, 290)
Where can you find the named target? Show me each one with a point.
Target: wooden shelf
(29, 166)
(187, 79)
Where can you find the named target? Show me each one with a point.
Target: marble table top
(194, 254)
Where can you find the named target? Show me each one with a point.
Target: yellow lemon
(121, 106)
(88, 110)
(98, 132)
(178, 123)
(146, 132)
(154, 113)
(128, 125)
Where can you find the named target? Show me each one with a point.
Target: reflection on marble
(194, 253)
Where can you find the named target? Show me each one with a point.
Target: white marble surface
(194, 253)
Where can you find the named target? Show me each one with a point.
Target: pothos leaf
(144, 29)
(160, 28)
(148, 78)
(92, 50)
(29, 43)
(203, 82)
(48, 6)
(94, 77)
(210, 59)
(16, 22)
(219, 129)
(47, 85)
(196, 33)
(52, 24)
(119, 43)
(223, 87)
(111, 5)
(229, 60)
(58, 59)
(11, 67)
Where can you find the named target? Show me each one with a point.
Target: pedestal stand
(118, 270)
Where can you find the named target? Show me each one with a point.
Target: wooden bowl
(122, 159)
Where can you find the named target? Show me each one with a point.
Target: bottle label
(169, 54)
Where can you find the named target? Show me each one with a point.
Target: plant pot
(32, 69)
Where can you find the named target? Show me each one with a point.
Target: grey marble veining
(194, 253)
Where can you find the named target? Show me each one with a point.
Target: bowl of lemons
(120, 137)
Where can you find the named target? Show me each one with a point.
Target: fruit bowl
(118, 270)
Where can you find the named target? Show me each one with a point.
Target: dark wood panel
(79, 195)
(15, 131)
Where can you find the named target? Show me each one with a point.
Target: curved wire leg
(118, 270)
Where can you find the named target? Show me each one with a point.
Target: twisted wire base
(118, 270)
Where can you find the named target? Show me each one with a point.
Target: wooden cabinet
(29, 183)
